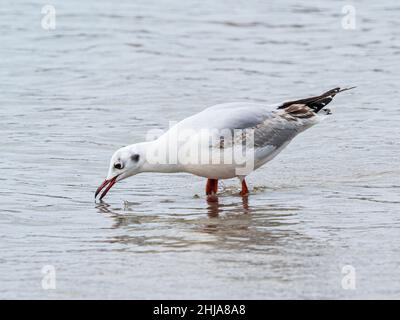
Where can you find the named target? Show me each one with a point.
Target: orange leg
(245, 190)
(212, 186)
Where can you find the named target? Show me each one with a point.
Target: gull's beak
(107, 183)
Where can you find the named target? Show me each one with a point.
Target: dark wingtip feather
(318, 102)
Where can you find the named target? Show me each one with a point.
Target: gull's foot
(212, 198)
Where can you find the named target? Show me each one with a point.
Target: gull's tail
(318, 102)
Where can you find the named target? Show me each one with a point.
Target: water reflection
(221, 224)
(215, 208)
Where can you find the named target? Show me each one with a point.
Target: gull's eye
(118, 165)
(135, 158)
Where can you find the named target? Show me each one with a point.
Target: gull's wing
(270, 125)
(273, 126)
(266, 128)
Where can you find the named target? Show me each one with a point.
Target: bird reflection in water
(220, 224)
(214, 208)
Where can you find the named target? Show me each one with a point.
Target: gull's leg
(212, 186)
(215, 189)
(208, 186)
(245, 190)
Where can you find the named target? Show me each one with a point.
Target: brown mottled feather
(299, 111)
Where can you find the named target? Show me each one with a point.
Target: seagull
(225, 141)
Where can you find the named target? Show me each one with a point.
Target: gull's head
(124, 163)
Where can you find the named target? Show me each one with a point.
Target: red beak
(106, 183)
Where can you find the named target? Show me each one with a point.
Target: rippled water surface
(111, 71)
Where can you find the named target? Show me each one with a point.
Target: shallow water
(109, 73)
